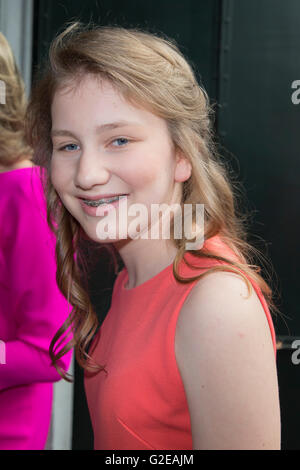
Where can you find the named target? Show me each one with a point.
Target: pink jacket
(32, 309)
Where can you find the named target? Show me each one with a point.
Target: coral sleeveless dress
(141, 403)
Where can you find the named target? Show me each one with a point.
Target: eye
(68, 145)
(122, 140)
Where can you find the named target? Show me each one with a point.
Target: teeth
(101, 201)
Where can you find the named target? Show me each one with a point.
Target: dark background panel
(259, 124)
(289, 392)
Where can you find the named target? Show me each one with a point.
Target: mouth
(103, 201)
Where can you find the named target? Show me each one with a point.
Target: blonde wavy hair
(149, 70)
(13, 145)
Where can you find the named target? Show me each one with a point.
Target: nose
(91, 170)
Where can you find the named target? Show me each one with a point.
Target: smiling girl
(186, 356)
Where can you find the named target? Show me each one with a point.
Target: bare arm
(225, 356)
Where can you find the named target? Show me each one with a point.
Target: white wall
(16, 23)
(60, 433)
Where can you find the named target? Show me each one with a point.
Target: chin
(92, 234)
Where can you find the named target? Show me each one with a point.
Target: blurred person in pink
(32, 308)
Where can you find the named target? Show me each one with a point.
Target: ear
(183, 169)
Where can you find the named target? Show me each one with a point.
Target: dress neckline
(145, 285)
(214, 243)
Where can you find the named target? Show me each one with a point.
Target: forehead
(91, 98)
(87, 90)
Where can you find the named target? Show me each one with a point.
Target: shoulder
(221, 303)
(23, 187)
(225, 356)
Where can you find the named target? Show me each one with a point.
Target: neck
(144, 259)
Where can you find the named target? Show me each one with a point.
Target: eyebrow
(99, 129)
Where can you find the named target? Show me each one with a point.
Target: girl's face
(103, 145)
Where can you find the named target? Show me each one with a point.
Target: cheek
(145, 172)
(58, 176)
